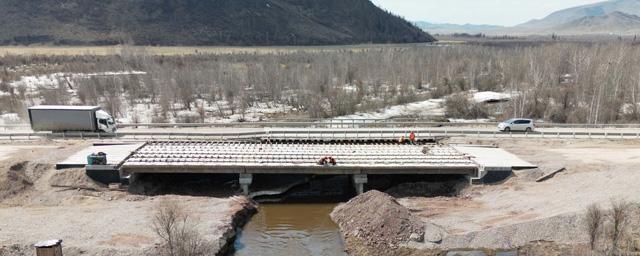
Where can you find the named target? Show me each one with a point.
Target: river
(291, 229)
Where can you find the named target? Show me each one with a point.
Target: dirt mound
(12, 183)
(23, 170)
(74, 178)
(378, 220)
(18, 167)
(17, 177)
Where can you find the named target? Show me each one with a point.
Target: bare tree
(202, 112)
(593, 221)
(604, 85)
(619, 213)
(178, 231)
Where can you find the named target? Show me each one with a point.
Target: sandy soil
(597, 172)
(87, 216)
(7, 150)
(108, 224)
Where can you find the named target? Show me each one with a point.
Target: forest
(565, 82)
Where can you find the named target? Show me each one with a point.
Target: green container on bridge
(97, 159)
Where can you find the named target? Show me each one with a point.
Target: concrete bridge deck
(297, 158)
(249, 158)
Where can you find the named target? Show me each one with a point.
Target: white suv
(517, 124)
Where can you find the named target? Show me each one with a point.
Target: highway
(206, 133)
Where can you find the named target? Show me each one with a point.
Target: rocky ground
(521, 215)
(39, 203)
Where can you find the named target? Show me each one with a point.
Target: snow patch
(466, 121)
(33, 83)
(10, 118)
(216, 112)
(427, 108)
(628, 108)
(350, 88)
(483, 97)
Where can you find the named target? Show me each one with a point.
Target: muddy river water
(291, 229)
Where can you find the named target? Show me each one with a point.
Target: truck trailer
(71, 118)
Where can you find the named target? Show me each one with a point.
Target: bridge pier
(245, 182)
(358, 182)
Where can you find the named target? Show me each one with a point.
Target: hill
(197, 22)
(616, 16)
(448, 28)
(613, 23)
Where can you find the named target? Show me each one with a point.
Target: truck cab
(105, 122)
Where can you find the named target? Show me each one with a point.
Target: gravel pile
(378, 220)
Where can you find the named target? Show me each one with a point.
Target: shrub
(619, 213)
(458, 106)
(178, 232)
(593, 222)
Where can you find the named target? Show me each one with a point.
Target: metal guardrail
(345, 123)
(387, 134)
(133, 135)
(321, 134)
(365, 125)
(369, 123)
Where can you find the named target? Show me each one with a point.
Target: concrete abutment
(358, 182)
(245, 181)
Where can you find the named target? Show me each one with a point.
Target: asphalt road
(338, 133)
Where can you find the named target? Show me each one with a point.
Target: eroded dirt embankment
(242, 209)
(374, 223)
(40, 203)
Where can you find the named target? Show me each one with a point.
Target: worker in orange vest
(401, 140)
(412, 138)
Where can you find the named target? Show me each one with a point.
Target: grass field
(183, 50)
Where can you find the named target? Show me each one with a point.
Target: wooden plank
(551, 175)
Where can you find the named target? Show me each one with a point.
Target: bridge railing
(332, 134)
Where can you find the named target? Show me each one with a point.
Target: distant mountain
(448, 28)
(200, 22)
(615, 16)
(613, 23)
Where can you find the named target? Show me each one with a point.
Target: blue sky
(495, 12)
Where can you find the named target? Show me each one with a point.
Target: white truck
(71, 118)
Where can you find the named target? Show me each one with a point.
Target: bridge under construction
(356, 159)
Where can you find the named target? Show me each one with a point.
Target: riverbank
(368, 230)
(92, 219)
(519, 213)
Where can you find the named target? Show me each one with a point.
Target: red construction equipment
(327, 160)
